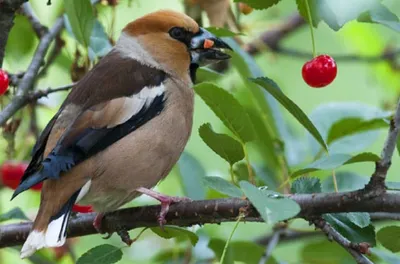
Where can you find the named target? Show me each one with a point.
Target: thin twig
(27, 81)
(27, 11)
(376, 185)
(42, 93)
(273, 242)
(352, 248)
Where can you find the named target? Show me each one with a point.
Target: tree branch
(27, 11)
(376, 185)
(356, 250)
(27, 81)
(209, 212)
(7, 14)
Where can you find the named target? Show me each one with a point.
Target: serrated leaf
(81, 18)
(387, 256)
(335, 161)
(192, 173)
(382, 15)
(99, 43)
(342, 224)
(271, 87)
(223, 186)
(176, 232)
(103, 254)
(228, 109)
(15, 213)
(306, 185)
(259, 4)
(353, 125)
(272, 206)
(346, 181)
(225, 146)
(222, 32)
(388, 236)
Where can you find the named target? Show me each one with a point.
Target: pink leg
(165, 201)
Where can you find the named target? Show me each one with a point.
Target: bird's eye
(177, 33)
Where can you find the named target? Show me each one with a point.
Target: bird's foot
(97, 225)
(165, 201)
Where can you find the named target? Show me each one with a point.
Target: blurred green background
(358, 83)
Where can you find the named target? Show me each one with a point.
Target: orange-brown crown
(161, 22)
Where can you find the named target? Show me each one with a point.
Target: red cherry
(12, 172)
(82, 208)
(4, 81)
(320, 71)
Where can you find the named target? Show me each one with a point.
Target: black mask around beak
(205, 48)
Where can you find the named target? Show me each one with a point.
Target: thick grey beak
(205, 48)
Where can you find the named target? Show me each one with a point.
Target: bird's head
(172, 41)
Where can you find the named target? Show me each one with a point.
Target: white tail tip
(48, 238)
(35, 241)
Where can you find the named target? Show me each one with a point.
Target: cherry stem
(311, 27)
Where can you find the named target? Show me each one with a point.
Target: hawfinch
(123, 126)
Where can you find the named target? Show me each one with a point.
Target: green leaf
(81, 18)
(354, 125)
(259, 4)
(206, 74)
(359, 219)
(176, 232)
(382, 15)
(15, 213)
(346, 181)
(103, 254)
(324, 251)
(225, 146)
(228, 109)
(387, 256)
(222, 32)
(99, 43)
(335, 161)
(165, 256)
(272, 206)
(192, 173)
(301, 7)
(339, 12)
(271, 87)
(306, 185)
(388, 236)
(240, 251)
(354, 233)
(223, 186)
(343, 110)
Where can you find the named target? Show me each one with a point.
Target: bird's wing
(107, 104)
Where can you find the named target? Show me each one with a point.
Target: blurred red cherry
(12, 172)
(82, 208)
(4, 82)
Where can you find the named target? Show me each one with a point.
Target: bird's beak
(205, 48)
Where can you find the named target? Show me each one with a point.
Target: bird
(122, 127)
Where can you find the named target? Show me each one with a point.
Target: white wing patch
(125, 108)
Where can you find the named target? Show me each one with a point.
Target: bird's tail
(50, 232)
